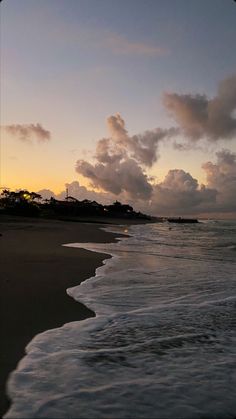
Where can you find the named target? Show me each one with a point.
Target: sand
(35, 271)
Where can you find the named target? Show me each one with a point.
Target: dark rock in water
(182, 220)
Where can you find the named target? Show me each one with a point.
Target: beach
(36, 270)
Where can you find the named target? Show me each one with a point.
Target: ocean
(163, 342)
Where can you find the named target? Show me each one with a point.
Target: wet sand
(35, 271)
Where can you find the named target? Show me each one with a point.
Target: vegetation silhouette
(27, 203)
(31, 204)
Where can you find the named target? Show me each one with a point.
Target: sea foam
(162, 344)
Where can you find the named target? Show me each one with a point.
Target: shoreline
(36, 270)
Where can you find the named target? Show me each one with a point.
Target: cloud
(141, 147)
(180, 194)
(201, 117)
(222, 177)
(144, 147)
(116, 127)
(120, 167)
(120, 160)
(79, 192)
(26, 132)
(46, 193)
(117, 177)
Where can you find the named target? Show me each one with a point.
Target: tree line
(28, 203)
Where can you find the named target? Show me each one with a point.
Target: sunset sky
(132, 99)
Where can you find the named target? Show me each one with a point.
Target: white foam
(162, 345)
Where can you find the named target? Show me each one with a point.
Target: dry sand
(35, 271)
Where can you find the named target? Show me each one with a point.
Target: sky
(130, 100)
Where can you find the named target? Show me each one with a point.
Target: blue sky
(68, 65)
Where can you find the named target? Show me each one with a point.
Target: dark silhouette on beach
(31, 204)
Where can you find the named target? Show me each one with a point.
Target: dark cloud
(121, 159)
(144, 147)
(116, 127)
(180, 193)
(222, 177)
(27, 132)
(141, 147)
(122, 176)
(107, 151)
(201, 117)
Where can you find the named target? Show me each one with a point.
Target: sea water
(163, 342)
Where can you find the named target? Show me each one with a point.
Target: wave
(162, 344)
